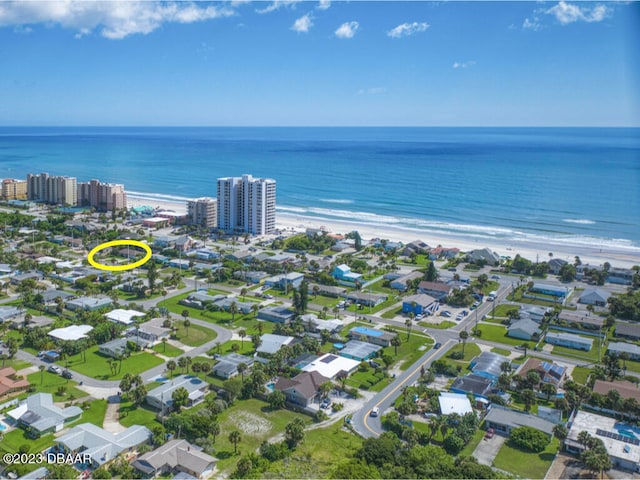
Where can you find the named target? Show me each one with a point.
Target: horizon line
(318, 126)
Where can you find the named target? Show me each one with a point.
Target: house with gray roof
(327, 290)
(620, 276)
(277, 314)
(628, 330)
(402, 283)
(151, 331)
(114, 348)
(50, 296)
(18, 279)
(594, 296)
(225, 304)
(474, 384)
(100, 445)
(621, 347)
(174, 457)
(227, 365)
(569, 340)
(366, 298)
(160, 397)
(483, 255)
(89, 303)
(271, 343)
(488, 365)
(38, 474)
(200, 298)
(524, 329)
(38, 415)
(10, 313)
(589, 322)
(555, 264)
(302, 389)
(503, 420)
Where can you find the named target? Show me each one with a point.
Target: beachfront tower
(247, 205)
(54, 190)
(204, 212)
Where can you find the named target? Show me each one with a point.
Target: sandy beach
(594, 255)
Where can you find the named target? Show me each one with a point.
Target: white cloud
(115, 20)
(277, 5)
(372, 91)
(534, 24)
(324, 4)
(406, 29)
(302, 24)
(470, 63)
(566, 13)
(347, 30)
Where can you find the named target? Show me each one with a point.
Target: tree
(567, 272)
(243, 292)
(214, 429)
(180, 397)
(533, 379)
(152, 275)
(233, 309)
(185, 314)
(235, 438)
(235, 348)
(164, 344)
(528, 397)
(560, 432)
(529, 438)
(294, 433)
(432, 273)
(126, 383)
(276, 399)
(182, 363)
(549, 389)
(396, 342)
(242, 367)
(463, 336)
(525, 346)
(171, 366)
(187, 324)
(242, 334)
(41, 368)
(408, 323)
(315, 290)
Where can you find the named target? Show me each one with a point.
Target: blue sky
(319, 63)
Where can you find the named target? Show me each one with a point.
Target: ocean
(576, 185)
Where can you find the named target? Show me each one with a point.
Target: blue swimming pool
(270, 386)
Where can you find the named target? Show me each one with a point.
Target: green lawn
(324, 301)
(197, 334)
(471, 350)
(502, 309)
(255, 422)
(12, 441)
(141, 415)
(96, 364)
(368, 380)
(409, 351)
(16, 364)
(591, 355)
(470, 447)
(50, 384)
(318, 454)
(95, 413)
(226, 347)
(440, 326)
(378, 288)
(392, 300)
(168, 350)
(392, 313)
(495, 333)
(215, 317)
(526, 464)
(501, 351)
(580, 374)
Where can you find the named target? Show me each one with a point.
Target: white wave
(581, 221)
(336, 200)
(157, 196)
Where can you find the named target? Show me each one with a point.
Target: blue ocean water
(573, 184)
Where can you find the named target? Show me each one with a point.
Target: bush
(530, 439)
(457, 355)
(453, 444)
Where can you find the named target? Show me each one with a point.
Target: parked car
(445, 313)
(326, 403)
(375, 411)
(495, 277)
(429, 415)
(67, 374)
(373, 364)
(55, 369)
(459, 317)
(490, 433)
(437, 346)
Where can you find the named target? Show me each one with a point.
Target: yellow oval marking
(119, 268)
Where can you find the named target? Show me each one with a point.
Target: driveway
(487, 449)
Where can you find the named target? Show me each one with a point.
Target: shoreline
(618, 256)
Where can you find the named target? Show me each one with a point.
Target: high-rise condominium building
(247, 204)
(104, 197)
(55, 190)
(204, 212)
(14, 189)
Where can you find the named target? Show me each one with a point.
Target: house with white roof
(331, 366)
(124, 317)
(271, 343)
(160, 397)
(72, 332)
(454, 403)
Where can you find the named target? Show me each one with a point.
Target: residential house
(569, 340)
(277, 314)
(251, 276)
(284, 281)
(173, 457)
(114, 348)
(333, 325)
(10, 313)
(536, 314)
(99, 445)
(10, 382)
(302, 389)
(49, 297)
(551, 290)
(549, 372)
(475, 384)
(416, 247)
(437, 290)
(124, 317)
(620, 276)
(483, 255)
(419, 304)
(628, 330)
(629, 348)
(37, 321)
(589, 322)
(271, 343)
(454, 403)
(160, 397)
(200, 298)
(327, 290)
(227, 365)
(624, 388)
(72, 332)
(40, 473)
(38, 415)
(344, 275)
(503, 420)
(524, 329)
(332, 366)
(239, 256)
(360, 351)
(594, 296)
(555, 265)
(488, 365)
(225, 304)
(376, 337)
(18, 279)
(402, 283)
(620, 440)
(440, 252)
(89, 303)
(365, 298)
(151, 331)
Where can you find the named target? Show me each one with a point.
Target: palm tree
(164, 344)
(171, 366)
(408, 323)
(316, 291)
(260, 328)
(243, 292)
(41, 368)
(242, 334)
(463, 336)
(233, 309)
(187, 324)
(396, 342)
(255, 308)
(182, 363)
(235, 438)
(242, 367)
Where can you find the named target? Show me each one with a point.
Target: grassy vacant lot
(368, 380)
(197, 336)
(215, 317)
(392, 300)
(440, 326)
(471, 350)
(501, 351)
(525, 464)
(318, 455)
(494, 333)
(410, 350)
(580, 374)
(12, 441)
(141, 415)
(168, 350)
(394, 312)
(502, 309)
(225, 348)
(96, 364)
(256, 422)
(50, 383)
(324, 301)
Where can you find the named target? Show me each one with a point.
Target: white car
(54, 369)
(446, 313)
(375, 412)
